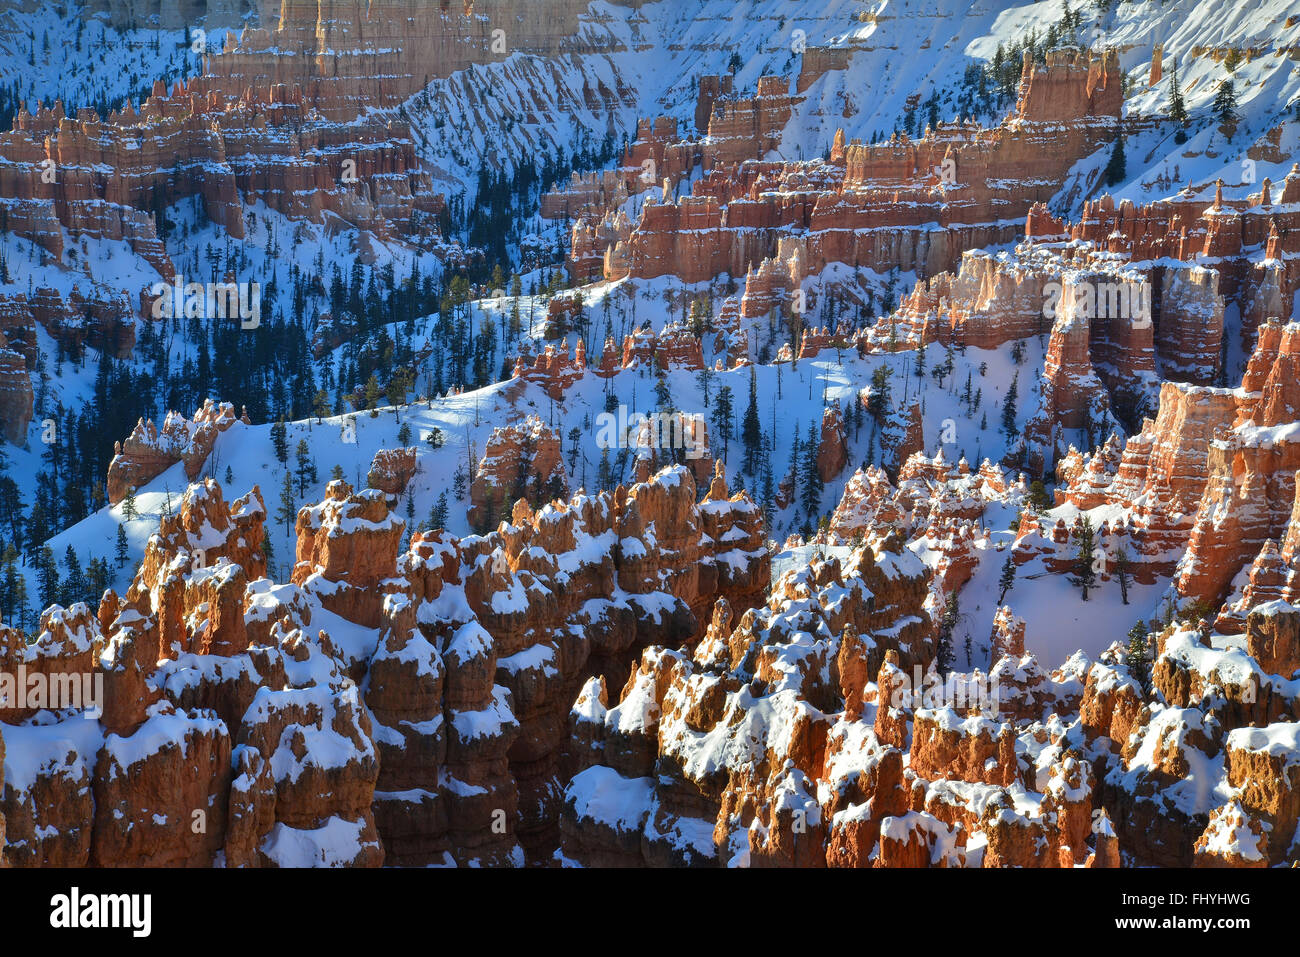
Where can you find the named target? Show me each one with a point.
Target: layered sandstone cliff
(915, 205)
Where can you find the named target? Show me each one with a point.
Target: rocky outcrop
(833, 453)
(1264, 766)
(148, 452)
(1072, 395)
(713, 756)
(1162, 475)
(16, 397)
(989, 301)
(1250, 487)
(347, 551)
(285, 113)
(1199, 221)
(1273, 637)
(1232, 839)
(870, 206)
(520, 461)
(391, 471)
(902, 435)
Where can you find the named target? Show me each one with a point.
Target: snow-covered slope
(512, 112)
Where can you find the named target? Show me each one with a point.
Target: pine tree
(438, 517)
(944, 369)
(1122, 566)
(372, 393)
(9, 586)
(1136, 657)
(1225, 105)
(768, 486)
(1009, 409)
(751, 432)
(47, 577)
(98, 578)
(306, 470)
(1039, 500)
(15, 587)
(705, 377)
(129, 510)
(663, 396)
(604, 472)
(1007, 580)
(1117, 166)
(879, 400)
(723, 417)
(73, 589)
(1085, 575)
(120, 548)
(795, 474)
(287, 513)
(575, 436)
(280, 441)
(944, 656)
(812, 479)
(1177, 109)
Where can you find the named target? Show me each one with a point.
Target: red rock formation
(1199, 221)
(347, 550)
(1273, 637)
(1262, 763)
(867, 506)
(16, 397)
(901, 437)
(1072, 395)
(553, 612)
(519, 461)
(391, 471)
(833, 453)
(1088, 483)
(1250, 488)
(1265, 583)
(147, 452)
(553, 370)
(1008, 635)
(732, 781)
(944, 745)
(205, 745)
(1162, 474)
(1232, 839)
(104, 318)
(871, 206)
(285, 115)
(989, 301)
